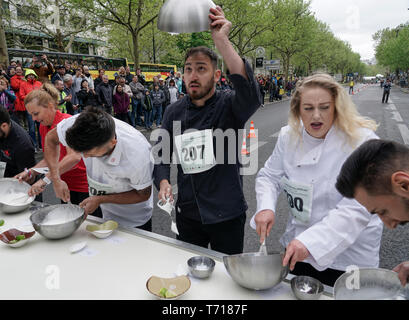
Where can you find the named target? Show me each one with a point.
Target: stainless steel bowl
(8, 187)
(367, 284)
(306, 288)
(256, 271)
(185, 16)
(57, 221)
(201, 266)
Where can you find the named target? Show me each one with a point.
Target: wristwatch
(46, 180)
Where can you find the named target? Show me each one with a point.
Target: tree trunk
(4, 57)
(135, 42)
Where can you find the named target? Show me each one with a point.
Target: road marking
(396, 116)
(275, 135)
(255, 146)
(404, 131)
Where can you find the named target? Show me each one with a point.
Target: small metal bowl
(306, 288)
(10, 186)
(201, 267)
(57, 221)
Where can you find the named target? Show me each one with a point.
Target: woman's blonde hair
(346, 116)
(46, 94)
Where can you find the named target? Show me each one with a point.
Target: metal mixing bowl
(201, 266)
(185, 16)
(256, 271)
(63, 220)
(306, 288)
(367, 284)
(9, 186)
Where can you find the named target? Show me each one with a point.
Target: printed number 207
(192, 153)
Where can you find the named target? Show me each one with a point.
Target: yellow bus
(150, 70)
(110, 65)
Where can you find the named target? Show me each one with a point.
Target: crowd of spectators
(128, 97)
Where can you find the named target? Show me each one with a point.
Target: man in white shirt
(118, 162)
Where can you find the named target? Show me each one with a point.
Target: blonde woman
(42, 106)
(325, 232)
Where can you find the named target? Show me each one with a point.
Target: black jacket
(217, 194)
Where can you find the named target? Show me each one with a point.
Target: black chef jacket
(215, 195)
(17, 150)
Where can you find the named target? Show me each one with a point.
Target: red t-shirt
(76, 178)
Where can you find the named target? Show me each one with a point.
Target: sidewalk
(404, 90)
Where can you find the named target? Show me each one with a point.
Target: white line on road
(255, 146)
(404, 131)
(396, 116)
(275, 135)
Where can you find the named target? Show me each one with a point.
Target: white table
(113, 268)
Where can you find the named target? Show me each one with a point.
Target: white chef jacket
(129, 166)
(341, 232)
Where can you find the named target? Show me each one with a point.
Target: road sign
(259, 62)
(260, 51)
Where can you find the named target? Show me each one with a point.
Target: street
(392, 119)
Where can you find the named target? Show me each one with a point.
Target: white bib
(98, 189)
(299, 197)
(195, 151)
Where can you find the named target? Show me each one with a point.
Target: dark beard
(207, 89)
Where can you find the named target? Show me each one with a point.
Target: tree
(292, 29)
(4, 57)
(392, 47)
(131, 16)
(60, 20)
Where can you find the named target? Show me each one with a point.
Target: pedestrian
(141, 77)
(26, 87)
(377, 175)
(118, 164)
(326, 233)
(71, 97)
(88, 76)
(77, 79)
(158, 99)
(86, 96)
(7, 98)
(105, 94)
(59, 75)
(128, 75)
(211, 208)
(148, 110)
(42, 106)
(121, 104)
(163, 86)
(16, 146)
(351, 86)
(42, 67)
(98, 80)
(138, 95)
(173, 91)
(61, 104)
(386, 91)
(15, 83)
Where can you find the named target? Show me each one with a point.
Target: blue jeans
(157, 114)
(148, 118)
(31, 129)
(134, 113)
